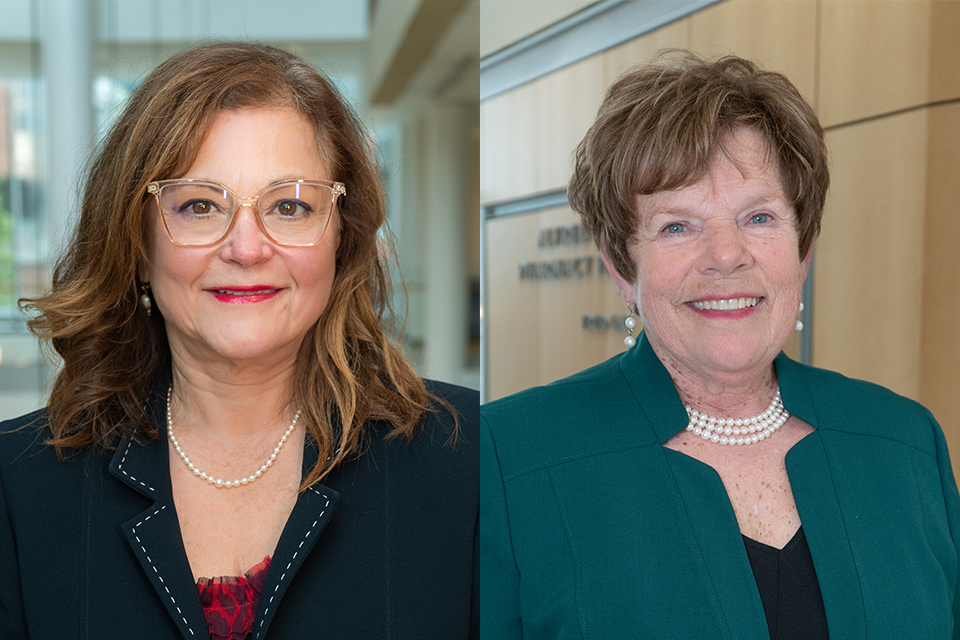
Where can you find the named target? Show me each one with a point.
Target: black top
(383, 549)
(788, 589)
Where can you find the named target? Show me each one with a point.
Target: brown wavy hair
(659, 127)
(348, 371)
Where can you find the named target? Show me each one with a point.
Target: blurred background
(409, 67)
(883, 299)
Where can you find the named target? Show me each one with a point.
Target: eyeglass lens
(197, 213)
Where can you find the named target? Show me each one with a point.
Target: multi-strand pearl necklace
(219, 482)
(739, 430)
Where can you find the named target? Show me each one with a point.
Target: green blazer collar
(660, 403)
(794, 391)
(653, 390)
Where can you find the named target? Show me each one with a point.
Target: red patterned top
(230, 603)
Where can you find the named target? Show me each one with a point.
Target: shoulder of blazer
(572, 393)
(465, 402)
(591, 412)
(24, 452)
(445, 437)
(832, 402)
(33, 423)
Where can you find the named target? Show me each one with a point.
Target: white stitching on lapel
(152, 566)
(120, 469)
(289, 564)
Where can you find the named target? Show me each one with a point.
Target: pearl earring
(798, 327)
(145, 298)
(630, 323)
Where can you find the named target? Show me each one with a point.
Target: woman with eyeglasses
(233, 447)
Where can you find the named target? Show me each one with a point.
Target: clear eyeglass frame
(157, 186)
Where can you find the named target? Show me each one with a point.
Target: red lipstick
(244, 295)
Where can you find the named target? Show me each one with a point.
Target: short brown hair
(348, 371)
(659, 126)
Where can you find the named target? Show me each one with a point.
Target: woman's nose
(246, 243)
(724, 249)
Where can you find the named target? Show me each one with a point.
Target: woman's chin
(242, 348)
(737, 354)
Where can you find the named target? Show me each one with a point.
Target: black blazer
(384, 548)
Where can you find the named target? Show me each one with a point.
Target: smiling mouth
(231, 292)
(733, 304)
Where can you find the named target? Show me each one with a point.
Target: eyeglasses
(293, 213)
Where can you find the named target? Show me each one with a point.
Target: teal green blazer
(590, 528)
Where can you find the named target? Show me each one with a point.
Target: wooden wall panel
(565, 346)
(944, 50)
(869, 259)
(567, 102)
(508, 160)
(511, 319)
(940, 336)
(639, 50)
(534, 327)
(780, 36)
(874, 57)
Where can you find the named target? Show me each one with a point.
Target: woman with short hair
(703, 484)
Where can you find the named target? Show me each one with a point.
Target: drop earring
(798, 327)
(145, 298)
(630, 322)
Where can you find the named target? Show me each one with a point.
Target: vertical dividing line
(806, 317)
(484, 318)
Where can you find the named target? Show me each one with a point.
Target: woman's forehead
(741, 175)
(745, 147)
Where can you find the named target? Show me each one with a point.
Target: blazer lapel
(309, 517)
(154, 537)
(702, 490)
(714, 534)
(154, 534)
(808, 467)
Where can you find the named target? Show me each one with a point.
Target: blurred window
(23, 272)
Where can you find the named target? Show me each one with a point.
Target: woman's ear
(626, 287)
(805, 263)
(143, 271)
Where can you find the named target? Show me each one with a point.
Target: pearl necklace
(219, 482)
(739, 430)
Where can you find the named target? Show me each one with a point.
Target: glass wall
(23, 269)
(355, 42)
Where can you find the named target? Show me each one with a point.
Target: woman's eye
(291, 208)
(676, 227)
(287, 208)
(760, 218)
(198, 207)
